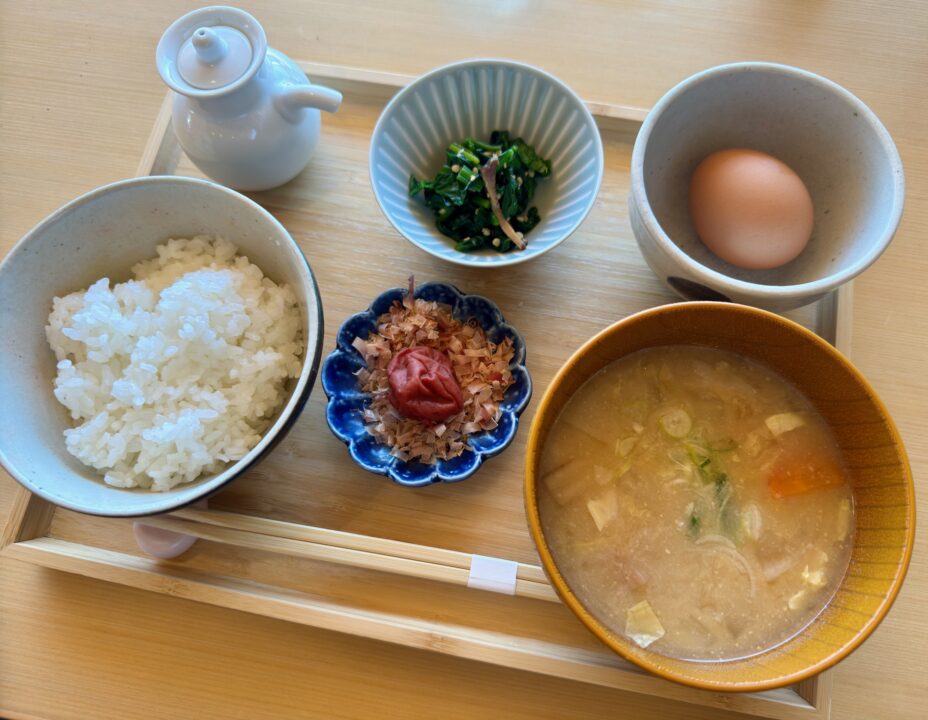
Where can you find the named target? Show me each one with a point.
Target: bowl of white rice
(161, 335)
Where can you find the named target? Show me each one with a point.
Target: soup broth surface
(696, 502)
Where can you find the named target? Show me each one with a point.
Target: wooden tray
(310, 538)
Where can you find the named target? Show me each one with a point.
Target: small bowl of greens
(486, 162)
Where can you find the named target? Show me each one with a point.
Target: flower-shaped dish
(347, 400)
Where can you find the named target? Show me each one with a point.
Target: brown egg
(750, 209)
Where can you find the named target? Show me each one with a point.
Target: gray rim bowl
(658, 247)
(54, 258)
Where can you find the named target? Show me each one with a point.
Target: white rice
(179, 371)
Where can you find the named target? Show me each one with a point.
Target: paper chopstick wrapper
(493, 574)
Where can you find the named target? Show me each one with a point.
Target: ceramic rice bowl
(103, 234)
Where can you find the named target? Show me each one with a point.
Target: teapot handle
(291, 101)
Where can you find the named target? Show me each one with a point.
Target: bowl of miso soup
(720, 496)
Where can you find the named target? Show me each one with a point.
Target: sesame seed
(519, 180)
(486, 232)
(495, 242)
(531, 173)
(455, 168)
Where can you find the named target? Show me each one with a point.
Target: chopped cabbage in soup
(696, 502)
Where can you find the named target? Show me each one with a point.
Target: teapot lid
(211, 51)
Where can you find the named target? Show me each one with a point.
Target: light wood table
(78, 91)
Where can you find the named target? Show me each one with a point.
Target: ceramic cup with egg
(834, 143)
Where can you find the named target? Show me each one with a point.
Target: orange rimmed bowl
(880, 475)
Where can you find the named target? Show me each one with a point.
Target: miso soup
(696, 502)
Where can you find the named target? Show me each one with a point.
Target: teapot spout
(291, 101)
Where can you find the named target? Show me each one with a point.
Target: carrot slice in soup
(804, 466)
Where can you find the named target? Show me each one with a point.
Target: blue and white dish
(471, 99)
(347, 401)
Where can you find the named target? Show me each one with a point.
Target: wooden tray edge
(24, 535)
(459, 641)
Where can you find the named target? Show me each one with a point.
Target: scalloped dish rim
(342, 348)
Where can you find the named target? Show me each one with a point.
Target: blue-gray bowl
(472, 98)
(347, 401)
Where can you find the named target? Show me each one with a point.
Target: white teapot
(244, 113)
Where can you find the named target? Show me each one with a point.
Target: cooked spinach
(463, 202)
